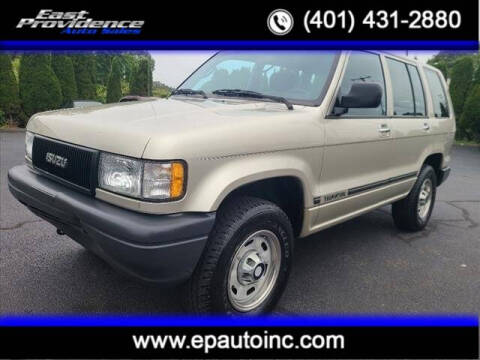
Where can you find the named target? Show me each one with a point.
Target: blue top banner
(132, 45)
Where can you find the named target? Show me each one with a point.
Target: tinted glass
(402, 89)
(439, 98)
(299, 76)
(364, 67)
(417, 91)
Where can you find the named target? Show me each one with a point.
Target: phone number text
(382, 19)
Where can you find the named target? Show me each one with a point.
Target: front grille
(66, 162)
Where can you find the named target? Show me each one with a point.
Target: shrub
(3, 120)
(39, 87)
(103, 67)
(461, 80)
(470, 120)
(9, 96)
(114, 86)
(140, 83)
(84, 66)
(63, 67)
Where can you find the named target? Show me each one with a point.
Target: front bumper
(158, 248)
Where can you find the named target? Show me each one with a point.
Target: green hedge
(85, 76)
(114, 86)
(63, 67)
(470, 119)
(39, 87)
(9, 95)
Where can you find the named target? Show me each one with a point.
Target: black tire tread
(404, 211)
(229, 218)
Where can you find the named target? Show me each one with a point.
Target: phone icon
(280, 22)
(277, 22)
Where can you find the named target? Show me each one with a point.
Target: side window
(403, 104)
(418, 93)
(439, 97)
(364, 67)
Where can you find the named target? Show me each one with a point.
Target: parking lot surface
(363, 265)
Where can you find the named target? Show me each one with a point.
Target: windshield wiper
(252, 94)
(190, 92)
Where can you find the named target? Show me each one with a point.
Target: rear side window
(418, 93)
(364, 67)
(403, 103)
(439, 97)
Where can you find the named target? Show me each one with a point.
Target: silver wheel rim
(425, 199)
(254, 270)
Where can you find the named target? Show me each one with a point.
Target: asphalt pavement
(364, 265)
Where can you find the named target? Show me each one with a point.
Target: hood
(179, 129)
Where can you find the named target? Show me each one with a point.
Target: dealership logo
(280, 22)
(56, 160)
(78, 22)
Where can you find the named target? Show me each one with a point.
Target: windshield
(300, 77)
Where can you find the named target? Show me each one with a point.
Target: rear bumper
(443, 175)
(158, 248)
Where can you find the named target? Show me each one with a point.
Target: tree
(141, 80)
(470, 120)
(39, 87)
(63, 67)
(2, 118)
(103, 68)
(461, 80)
(476, 77)
(84, 66)
(9, 95)
(114, 86)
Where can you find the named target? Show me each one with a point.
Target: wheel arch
(286, 191)
(435, 160)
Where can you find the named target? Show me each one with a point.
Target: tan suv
(255, 149)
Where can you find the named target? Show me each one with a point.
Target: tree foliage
(85, 76)
(141, 82)
(2, 118)
(470, 119)
(31, 83)
(63, 67)
(9, 95)
(39, 87)
(461, 80)
(114, 86)
(103, 67)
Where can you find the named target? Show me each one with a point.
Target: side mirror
(362, 95)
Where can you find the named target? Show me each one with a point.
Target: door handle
(426, 127)
(384, 129)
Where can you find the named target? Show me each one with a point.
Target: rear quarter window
(438, 94)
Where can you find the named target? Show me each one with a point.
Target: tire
(406, 213)
(242, 224)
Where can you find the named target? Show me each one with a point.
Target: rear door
(411, 126)
(358, 152)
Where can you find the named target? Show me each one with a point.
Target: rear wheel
(246, 263)
(413, 212)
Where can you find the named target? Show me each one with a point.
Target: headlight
(120, 174)
(141, 179)
(29, 144)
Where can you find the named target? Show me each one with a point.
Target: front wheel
(413, 212)
(246, 263)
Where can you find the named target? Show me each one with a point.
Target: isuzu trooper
(211, 187)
